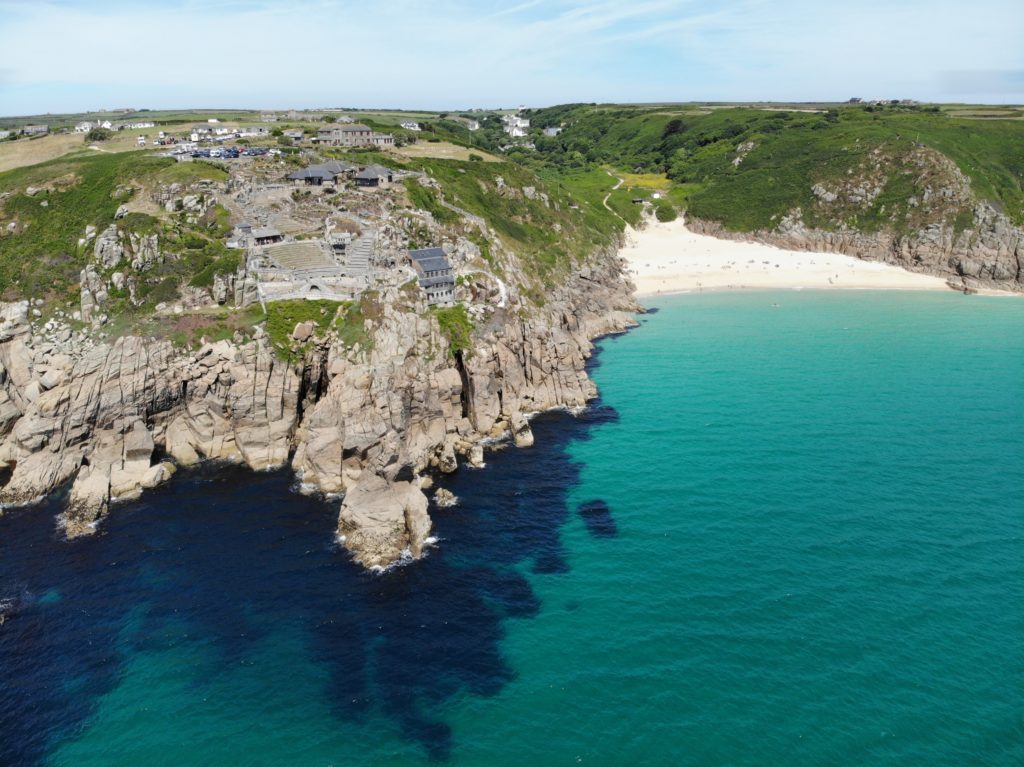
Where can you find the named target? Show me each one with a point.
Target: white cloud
(453, 53)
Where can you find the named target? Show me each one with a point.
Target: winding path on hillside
(604, 202)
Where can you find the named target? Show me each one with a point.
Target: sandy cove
(669, 258)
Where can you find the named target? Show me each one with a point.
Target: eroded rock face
(99, 422)
(108, 250)
(367, 420)
(381, 520)
(944, 229)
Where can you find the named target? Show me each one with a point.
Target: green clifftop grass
(792, 151)
(43, 257)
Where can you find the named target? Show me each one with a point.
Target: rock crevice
(364, 422)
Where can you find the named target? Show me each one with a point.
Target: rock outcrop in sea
(114, 418)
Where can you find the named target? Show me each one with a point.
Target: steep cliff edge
(937, 225)
(368, 422)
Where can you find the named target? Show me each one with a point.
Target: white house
(83, 127)
(410, 125)
(515, 126)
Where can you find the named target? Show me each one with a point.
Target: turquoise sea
(791, 532)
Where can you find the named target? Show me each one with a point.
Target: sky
(79, 55)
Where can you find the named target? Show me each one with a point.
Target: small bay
(789, 532)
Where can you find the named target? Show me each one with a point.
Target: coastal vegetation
(344, 318)
(747, 168)
(550, 199)
(456, 326)
(48, 207)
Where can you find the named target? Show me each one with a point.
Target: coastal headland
(333, 293)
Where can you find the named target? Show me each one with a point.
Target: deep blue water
(786, 534)
(231, 556)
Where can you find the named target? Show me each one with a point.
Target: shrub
(665, 213)
(457, 327)
(97, 134)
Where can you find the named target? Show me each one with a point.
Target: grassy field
(25, 152)
(443, 150)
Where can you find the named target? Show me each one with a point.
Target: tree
(277, 132)
(97, 134)
(330, 119)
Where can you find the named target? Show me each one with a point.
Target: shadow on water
(598, 518)
(230, 555)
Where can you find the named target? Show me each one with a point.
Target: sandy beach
(669, 258)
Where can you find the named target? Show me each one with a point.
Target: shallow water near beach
(789, 532)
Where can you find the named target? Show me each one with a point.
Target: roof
(310, 172)
(430, 259)
(433, 282)
(374, 171)
(265, 231)
(324, 170)
(353, 127)
(335, 166)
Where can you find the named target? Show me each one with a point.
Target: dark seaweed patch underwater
(232, 555)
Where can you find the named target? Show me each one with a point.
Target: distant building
(318, 175)
(35, 130)
(355, 134)
(294, 133)
(435, 275)
(268, 117)
(410, 125)
(266, 235)
(552, 131)
(515, 126)
(374, 176)
(254, 131)
(4, 134)
(296, 114)
(83, 127)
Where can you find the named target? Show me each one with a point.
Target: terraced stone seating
(301, 257)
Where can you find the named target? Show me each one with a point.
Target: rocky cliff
(940, 227)
(370, 421)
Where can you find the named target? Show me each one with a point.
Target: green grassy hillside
(747, 168)
(40, 232)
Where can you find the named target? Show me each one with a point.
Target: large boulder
(380, 520)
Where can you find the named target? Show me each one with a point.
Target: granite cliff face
(941, 228)
(115, 418)
(988, 255)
